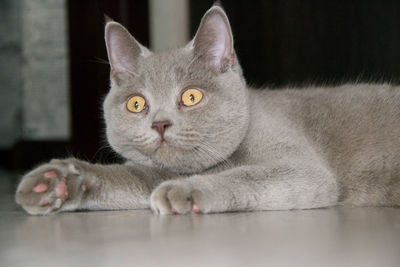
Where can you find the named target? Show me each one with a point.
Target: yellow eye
(191, 97)
(136, 104)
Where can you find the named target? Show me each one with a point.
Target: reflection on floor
(323, 237)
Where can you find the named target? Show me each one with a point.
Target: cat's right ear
(123, 50)
(213, 42)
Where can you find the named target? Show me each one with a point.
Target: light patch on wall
(10, 72)
(45, 98)
(169, 24)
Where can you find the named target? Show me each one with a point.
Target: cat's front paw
(51, 188)
(178, 197)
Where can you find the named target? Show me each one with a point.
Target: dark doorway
(89, 70)
(300, 42)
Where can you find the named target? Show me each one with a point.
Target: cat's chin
(175, 158)
(164, 147)
(166, 152)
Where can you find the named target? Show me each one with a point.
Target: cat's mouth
(167, 147)
(163, 144)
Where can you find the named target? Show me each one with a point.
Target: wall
(45, 100)
(10, 72)
(34, 101)
(169, 24)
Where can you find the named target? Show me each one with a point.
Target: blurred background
(54, 71)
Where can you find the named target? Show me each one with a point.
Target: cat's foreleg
(71, 184)
(245, 188)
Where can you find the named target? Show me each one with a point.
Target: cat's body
(233, 148)
(352, 130)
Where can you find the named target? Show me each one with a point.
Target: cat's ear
(122, 48)
(213, 41)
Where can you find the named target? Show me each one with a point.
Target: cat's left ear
(213, 41)
(123, 50)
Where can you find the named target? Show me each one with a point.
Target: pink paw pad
(40, 188)
(174, 211)
(61, 190)
(196, 209)
(54, 208)
(50, 174)
(44, 203)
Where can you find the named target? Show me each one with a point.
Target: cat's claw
(46, 189)
(175, 197)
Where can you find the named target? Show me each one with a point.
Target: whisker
(212, 152)
(218, 161)
(99, 60)
(214, 133)
(140, 139)
(199, 155)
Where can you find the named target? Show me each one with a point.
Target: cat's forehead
(167, 62)
(171, 68)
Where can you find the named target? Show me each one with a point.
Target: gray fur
(240, 148)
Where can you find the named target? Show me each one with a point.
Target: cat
(197, 139)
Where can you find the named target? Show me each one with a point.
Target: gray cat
(197, 139)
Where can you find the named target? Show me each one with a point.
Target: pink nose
(161, 126)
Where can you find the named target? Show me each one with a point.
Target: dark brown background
(278, 43)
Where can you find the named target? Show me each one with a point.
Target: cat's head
(184, 109)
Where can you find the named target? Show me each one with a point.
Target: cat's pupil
(136, 105)
(191, 97)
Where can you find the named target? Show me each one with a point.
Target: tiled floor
(323, 237)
